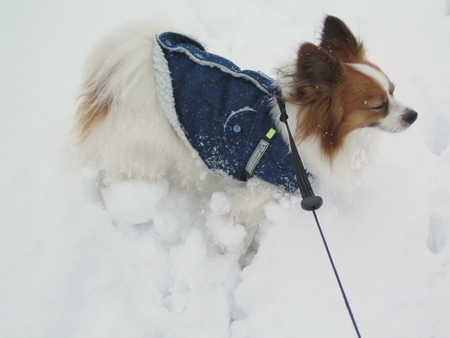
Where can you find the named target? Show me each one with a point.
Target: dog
(150, 108)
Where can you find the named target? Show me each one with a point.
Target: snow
(67, 269)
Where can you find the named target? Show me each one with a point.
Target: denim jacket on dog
(221, 112)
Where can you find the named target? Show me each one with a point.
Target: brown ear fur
(317, 76)
(337, 39)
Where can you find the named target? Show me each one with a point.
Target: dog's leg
(234, 218)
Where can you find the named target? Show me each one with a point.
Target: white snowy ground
(67, 270)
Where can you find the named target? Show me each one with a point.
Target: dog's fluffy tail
(118, 117)
(118, 71)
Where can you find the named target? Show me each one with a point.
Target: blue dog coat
(221, 112)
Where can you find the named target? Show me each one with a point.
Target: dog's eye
(381, 106)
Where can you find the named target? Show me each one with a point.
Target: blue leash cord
(310, 202)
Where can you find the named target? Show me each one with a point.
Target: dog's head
(340, 91)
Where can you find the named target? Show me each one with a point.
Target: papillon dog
(127, 127)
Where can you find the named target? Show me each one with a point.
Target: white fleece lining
(165, 92)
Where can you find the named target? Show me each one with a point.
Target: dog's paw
(228, 235)
(220, 203)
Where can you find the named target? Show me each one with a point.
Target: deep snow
(68, 270)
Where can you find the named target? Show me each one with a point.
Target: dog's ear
(337, 39)
(318, 73)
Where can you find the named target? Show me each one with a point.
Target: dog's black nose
(410, 116)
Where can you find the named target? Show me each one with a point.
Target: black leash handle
(310, 202)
